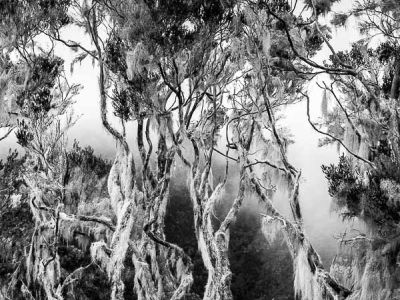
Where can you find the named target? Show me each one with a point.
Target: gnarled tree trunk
(43, 269)
(139, 230)
(213, 244)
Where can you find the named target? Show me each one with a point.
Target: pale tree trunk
(140, 216)
(126, 202)
(168, 273)
(43, 264)
(162, 269)
(213, 243)
(394, 123)
(213, 246)
(140, 221)
(311, 280)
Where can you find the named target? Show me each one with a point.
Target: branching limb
(331, 136)
(7, 133)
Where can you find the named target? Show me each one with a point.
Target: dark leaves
(36, 98)
(23, 134)
(386, 51)
(115, 55)
(121, 103)
(322, 7)
(87, 160)
(339, 19)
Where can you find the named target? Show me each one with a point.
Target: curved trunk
(125, 200)
(43, 264)
(219, 272)
(214, 245)
(140, 231)
(311, 280)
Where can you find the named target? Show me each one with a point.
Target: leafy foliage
(173, 25)
(115, 59)
(20, 18)
(370, 202)
(37, 98)
(87, 160)
(322, 7)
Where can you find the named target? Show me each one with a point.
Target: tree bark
(311, 280)
(213, 244)
(394, 90)
(43, 264)
(140, 231)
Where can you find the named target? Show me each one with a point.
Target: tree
(144, 64)
(42, 183)
(364, 88)
(364, 188)
(211, 76)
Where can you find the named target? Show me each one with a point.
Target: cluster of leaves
(115, 55)
(87, 160)
(174, 24)
(361, 56)
(23, 134)
(137, 84)
(19, 18)
(342, 173)
(279, 6)
(366, 201)
(44, 70)
(37, 101)
(126, 101)
(339, 19)
(37, 97)
(10, 169)
(322, 7)
(344, 186)
(387, 53)
(314, 40)
(122, 104)
(54, 12)
(357, 57)
(306, 44)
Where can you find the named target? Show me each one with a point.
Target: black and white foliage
(198, 88)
